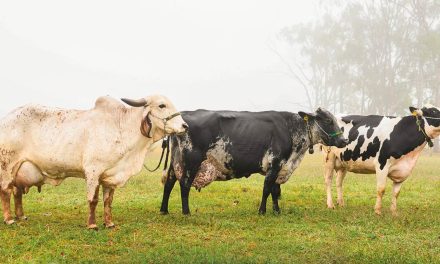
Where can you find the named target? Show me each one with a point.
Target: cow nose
(185, 126)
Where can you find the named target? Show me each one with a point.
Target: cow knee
(380, 191)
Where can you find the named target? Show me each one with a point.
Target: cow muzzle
(341, 143)
(178, 129)
(174, 124)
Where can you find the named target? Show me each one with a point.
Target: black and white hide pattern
(224, 145)
(386, 146)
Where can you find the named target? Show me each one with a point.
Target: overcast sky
(199, 53)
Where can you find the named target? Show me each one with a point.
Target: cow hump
(107, 102)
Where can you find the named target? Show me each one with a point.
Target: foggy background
(201, 54)
(348, 56)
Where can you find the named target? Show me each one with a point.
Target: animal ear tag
(418, 122)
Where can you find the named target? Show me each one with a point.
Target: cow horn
(135, 103)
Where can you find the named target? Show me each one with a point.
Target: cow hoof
(22, 218)
(341, 203)
(378, 212)
(330, 206)
(262, 212)
(93, 227)
(110, 226)
(276, 210)
(10, 222)
(164, 212)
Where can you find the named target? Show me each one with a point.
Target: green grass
(225, 228)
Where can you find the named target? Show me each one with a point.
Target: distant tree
(369, 56)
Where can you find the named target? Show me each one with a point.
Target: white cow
(105, 145)
(386, 146)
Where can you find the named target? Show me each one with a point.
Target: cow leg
(185, 187)
(339, 180)
(381, 184)
(6, 204)
(276, 194)
(18, 203)
(396, 191)
(329, 168)
(168, 187)
(269, 183)
(92, 198)
(328, 177)
(107, 195)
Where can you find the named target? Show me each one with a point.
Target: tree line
(368, 56)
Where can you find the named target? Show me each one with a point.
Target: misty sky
(199, 53)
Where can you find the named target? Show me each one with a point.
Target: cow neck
(421, 126)
(316, 136)
(312, 132)
(415, 137)
(430, 130)
(130, 131)
(156, 133)
(299, 126)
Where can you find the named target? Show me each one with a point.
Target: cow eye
(162, 106)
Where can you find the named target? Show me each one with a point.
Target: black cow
(223, 145)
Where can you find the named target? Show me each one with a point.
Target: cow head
(159, 114)
(431, 115)
(324, 128)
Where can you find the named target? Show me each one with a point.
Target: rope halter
(309, 131)
(421, 129)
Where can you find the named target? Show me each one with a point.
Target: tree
(369, 56)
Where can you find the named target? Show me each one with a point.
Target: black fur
(249, 136)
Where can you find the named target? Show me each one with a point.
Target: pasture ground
(225, 228)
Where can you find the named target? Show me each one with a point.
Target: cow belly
(207, 173)
(360, 166)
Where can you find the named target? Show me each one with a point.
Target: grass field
(225, 228)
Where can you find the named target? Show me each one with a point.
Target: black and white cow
(222, 145)
(386, 146)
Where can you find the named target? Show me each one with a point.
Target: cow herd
(108, 144)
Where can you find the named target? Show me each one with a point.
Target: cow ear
(415, 111)
(305, 115)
